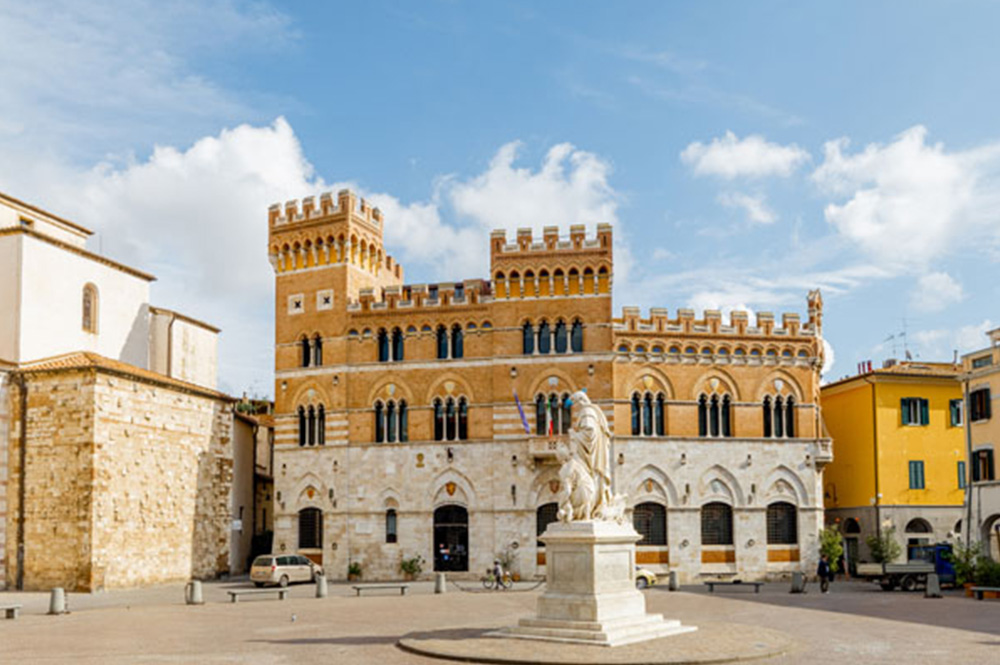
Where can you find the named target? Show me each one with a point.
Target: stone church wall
(128, 482)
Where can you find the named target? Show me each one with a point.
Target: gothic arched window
(768, 413)
(576, 337)
(321, 425)
(457, 342)
(306, 351)
(442, 343)
(311, 427)
(561, 337)
(782, 524)
(383, 345)
(703, 416)
(317, 350)
(528, 339)
(716, 524)
(659, 415)
(89, 318)
(544, 337)
(438, 420)
(397, 344)
(302, 426)
(790, 417)
(379, 422)
(636, 415)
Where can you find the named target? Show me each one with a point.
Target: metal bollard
(439, 583)
(321, 586)
(57, 601)
(672, 583)
(798, 582)
(192, 593)
(933, 589)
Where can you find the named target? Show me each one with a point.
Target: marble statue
(585, 474)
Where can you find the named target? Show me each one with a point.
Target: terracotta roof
(90, 360)
(909, 368)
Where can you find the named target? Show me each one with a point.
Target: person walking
(824, 573)
(498, 575)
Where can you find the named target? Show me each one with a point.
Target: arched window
(790, 417)
(390, 526)
(703, 416)
(528, 339)
(397, 344)
(767, 413)
(576, 337)
(545, 515)
(306, 351)
(779, 417)
(561, 337)
(438, 420)
(311, 427)
(713, 416)
(302, 426)
(650, 520)
(727, 411)
(317, 350)
(567, 414)
(450, 419)
(541, 426)
(89, 318)
(390, 422)
(379, 422)
(636, 429)
(918, 525)
(647, 415)
(321, 425)
(310, 529)
(383, 345)
(851, 525)
(658, 415)
(457, 344)
(716, 524)
(782, 524)
(442, 343)
(463, 419)
(544, 337)
(404, 422)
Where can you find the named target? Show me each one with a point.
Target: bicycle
(490, 581)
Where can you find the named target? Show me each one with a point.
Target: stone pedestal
(590, 592)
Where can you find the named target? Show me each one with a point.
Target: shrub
(884, 548)
(354, 568)
(965, 560)
(412, 566)
(830, 544)
(987, 572)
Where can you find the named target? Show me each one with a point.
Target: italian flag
(550, 418)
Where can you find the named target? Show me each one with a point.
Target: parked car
(644, 578)
(283, 569)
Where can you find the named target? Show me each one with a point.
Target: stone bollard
(57, 601)
(672, 581)
(439, 583)
(192, 593)
(798, 582)
(321, 586)
(933, 589)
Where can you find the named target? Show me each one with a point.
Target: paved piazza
(855, 623)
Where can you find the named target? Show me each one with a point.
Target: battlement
(306, 209)
(712, 322)
(414, 297)
(551, 241)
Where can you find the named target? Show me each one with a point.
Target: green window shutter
(987, 405)
(961, 475)
(904, 411)
(913, 476)
(925, 416)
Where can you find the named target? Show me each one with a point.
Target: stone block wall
(127, 482)
(4, 452)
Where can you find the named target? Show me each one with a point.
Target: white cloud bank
(936, 291)
(730, 157)
(907, 202)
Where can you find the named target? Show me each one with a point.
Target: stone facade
(127, 477)
(4, 451)
(468, 483)
(981, 382)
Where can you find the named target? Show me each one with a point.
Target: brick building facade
(398, 431)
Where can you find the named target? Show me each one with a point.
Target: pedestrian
(498, 574)
(824, 573)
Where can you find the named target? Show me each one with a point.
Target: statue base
(590, 595)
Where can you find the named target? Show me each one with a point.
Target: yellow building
(981, 378)
(900, 454)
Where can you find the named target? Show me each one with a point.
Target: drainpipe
(969, 487)
(878, 516)
(22, 390)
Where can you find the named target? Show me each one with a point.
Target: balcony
(542, 449)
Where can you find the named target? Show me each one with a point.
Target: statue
(586, 468)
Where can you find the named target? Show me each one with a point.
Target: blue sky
(746, 152)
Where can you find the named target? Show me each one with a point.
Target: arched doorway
(918, 533)
(852, 535)
(451, 539)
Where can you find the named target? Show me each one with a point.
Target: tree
(830, 544)
(884, 548)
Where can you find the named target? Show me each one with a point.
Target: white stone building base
(590, 595)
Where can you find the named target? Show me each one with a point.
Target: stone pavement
(154, 626)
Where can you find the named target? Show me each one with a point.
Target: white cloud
(940, 344)
(909, 202)
(935, 291)
(730, 157)
(755, 206)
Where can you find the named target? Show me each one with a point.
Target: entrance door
(852, 555)
(451, 539)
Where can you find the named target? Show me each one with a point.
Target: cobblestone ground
(852, 624)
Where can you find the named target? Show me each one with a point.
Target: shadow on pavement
(954, 610)
(446, 634)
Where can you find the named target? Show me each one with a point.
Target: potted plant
(354, 571)
(987, 574)
(412, 567)
(884, 548)
(831, 544)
